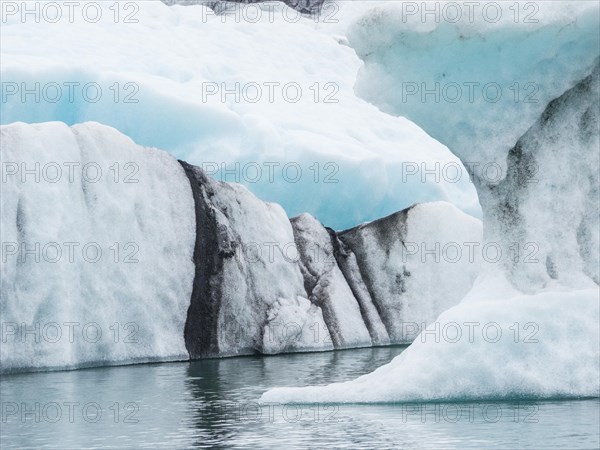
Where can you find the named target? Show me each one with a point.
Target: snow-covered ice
(174, 58)
(177, 63)
(508, 346)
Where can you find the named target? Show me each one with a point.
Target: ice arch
(548, 195)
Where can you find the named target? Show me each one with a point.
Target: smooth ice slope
(172, 68)
(535, 356)
(121, 294)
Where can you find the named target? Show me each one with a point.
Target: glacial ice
(529, 327)
(268, 284)
(508, 346)
(189, 266)
(153, 88)
(370, 149)
(408, 257)
(324, 280)
(97, 243)
(527, 190)
(248, 278)
(480, 81)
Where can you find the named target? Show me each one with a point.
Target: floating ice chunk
(519, 346)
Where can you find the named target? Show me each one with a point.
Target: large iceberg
(483, 85)
(529, 328)
(113, 253)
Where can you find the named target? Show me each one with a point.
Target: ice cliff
(96, 263)
(150, 259)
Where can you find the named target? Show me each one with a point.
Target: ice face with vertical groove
(214, 271)
(326, 284)
(416, 263)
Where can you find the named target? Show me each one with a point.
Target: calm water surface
(212, 403)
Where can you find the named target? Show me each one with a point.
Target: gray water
(212, 403)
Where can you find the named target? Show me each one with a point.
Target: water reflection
(212, 404)
(225, 391)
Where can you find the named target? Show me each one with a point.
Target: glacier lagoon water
(212, 403)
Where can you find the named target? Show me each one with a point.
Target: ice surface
(413, 267)
(252, 295)
(135, 292)
(529, 328)
(537, 187)
(267, 284)
(173, 55)
(189, 266)
(170, 55)
(548, 348)
(304, 6)
(295, 325)
(326, 283)
(546, 49)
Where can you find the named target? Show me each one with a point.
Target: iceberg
(508, 347)
(523, 146)
(529, 327)
(114, 253)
